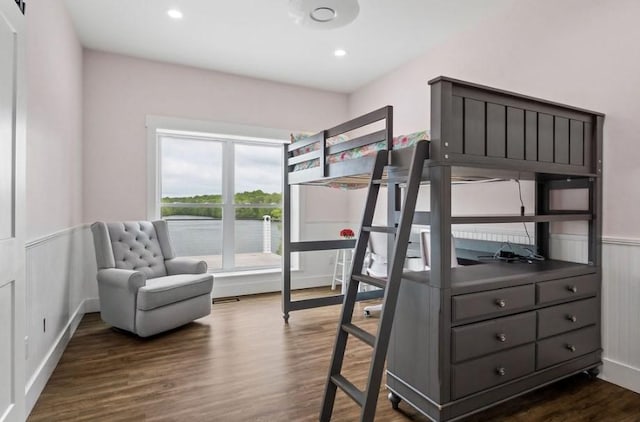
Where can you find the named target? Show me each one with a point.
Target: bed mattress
(402, 141)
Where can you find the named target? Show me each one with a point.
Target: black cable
(522, 209)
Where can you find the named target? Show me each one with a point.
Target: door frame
(12, 249)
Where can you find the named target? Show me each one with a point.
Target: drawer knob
(501, 303)
(571, 347)
(501, 337)
(572, 289)
(572, 318)
(501, 371)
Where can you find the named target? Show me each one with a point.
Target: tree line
(171, 207)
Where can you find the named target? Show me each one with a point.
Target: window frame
(229, 135)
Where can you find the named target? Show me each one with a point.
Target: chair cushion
(163, 291)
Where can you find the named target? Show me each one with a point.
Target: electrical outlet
(26, 347)
(44, 325)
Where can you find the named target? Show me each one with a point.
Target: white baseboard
(39, 380)
(91, 304)
(621, 374)
(230, 287)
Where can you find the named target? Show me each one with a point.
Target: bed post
(393, 190)
(286, 237)
(595, 197)
(440, 227)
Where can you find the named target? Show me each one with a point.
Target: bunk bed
(333, 159)
(469, 337)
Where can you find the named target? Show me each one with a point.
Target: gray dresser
(501, 330)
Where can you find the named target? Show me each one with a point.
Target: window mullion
(228, 212)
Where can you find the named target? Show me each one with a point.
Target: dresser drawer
(567, 288)
(567, 346)
(492, 302)
(483, 338)
(567, 317)
(478, 374)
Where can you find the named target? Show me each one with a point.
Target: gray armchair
(143, 287)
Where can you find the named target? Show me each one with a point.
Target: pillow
(295, 137)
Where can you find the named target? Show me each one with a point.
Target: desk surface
(497, 274)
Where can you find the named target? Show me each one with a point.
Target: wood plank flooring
(242, 363)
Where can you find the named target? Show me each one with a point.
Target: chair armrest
(122, 279)
(185, 266)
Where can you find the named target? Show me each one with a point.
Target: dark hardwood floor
(242, 363)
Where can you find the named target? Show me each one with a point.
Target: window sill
(250, 272)
(245, 273)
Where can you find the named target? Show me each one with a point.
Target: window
(222, 198)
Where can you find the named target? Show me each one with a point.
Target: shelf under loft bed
(423, 218)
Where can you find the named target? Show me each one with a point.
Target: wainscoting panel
(58, 281)
(569, 247)
(621, 312)
(6, 348)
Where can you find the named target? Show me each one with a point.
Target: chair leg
(335, 270)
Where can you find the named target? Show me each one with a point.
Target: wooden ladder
(368, 398)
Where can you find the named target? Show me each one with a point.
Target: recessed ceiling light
(174, 13)
(340, 52)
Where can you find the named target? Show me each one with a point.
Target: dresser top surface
(497, 274)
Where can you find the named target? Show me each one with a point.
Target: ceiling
(257, 38)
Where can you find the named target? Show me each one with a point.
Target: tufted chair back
(138, 245)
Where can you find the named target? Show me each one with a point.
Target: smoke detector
(323, 14)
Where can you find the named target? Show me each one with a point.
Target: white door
(12, 168)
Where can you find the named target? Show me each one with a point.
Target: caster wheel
(593, 372)
(286, 318)
(395, 400)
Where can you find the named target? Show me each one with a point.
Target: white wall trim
(627, 241)
(621, 374)
(43, 239)
(39, 380)
(91, 305)
(230, 287)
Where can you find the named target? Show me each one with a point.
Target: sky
(194, 167)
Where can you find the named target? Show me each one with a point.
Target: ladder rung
(351, 390)
(380, 229)
(389, 181)
(368, 338)
(378, 282)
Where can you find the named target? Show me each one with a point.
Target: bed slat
(361, 141)
(304, 157)
(561, 140)
(545, 137)
(456, 144)
(358, 122)
(496, 130)
(515, 133)
(576, 143)
(318, 137)
(474, 120)
(531, 135)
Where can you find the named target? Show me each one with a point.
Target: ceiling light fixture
(323, 14)
(340, 52)
(174, 13)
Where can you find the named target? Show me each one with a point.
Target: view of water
(202, 236)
